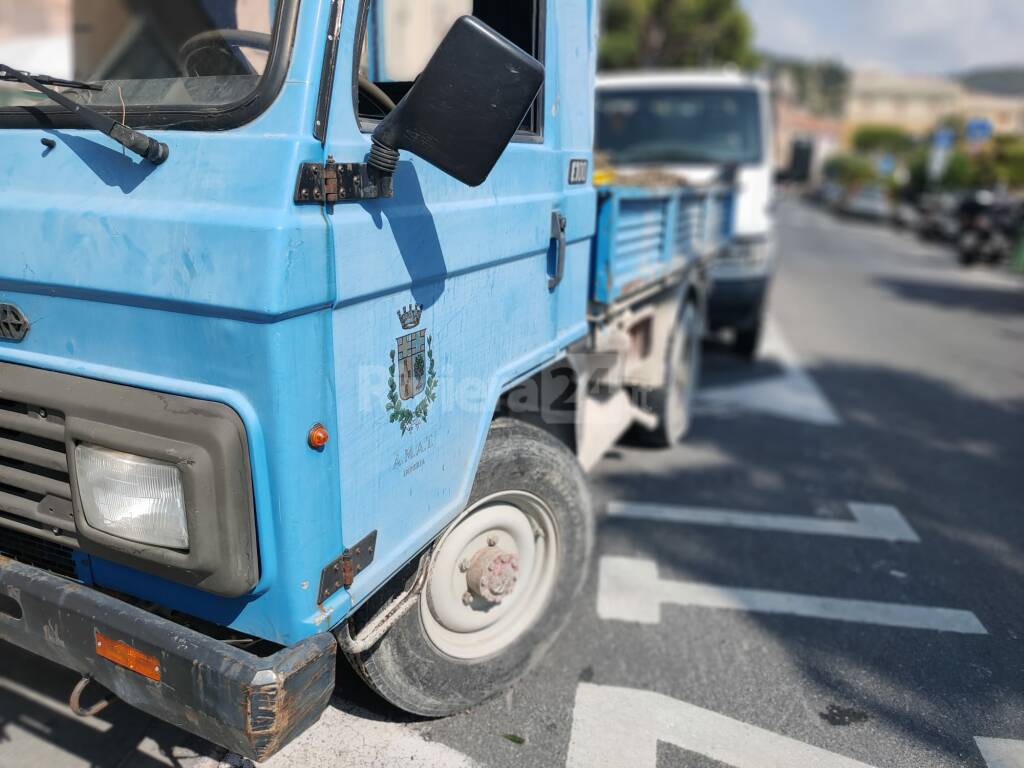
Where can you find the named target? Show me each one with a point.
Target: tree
(851, 170)
(676, 33)
(959, 173)
(889, 139)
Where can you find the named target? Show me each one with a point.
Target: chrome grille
(35, 490)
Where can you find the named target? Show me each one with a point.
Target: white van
(694, 123)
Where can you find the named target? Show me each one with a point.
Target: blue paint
(646, 234)
(201, 278)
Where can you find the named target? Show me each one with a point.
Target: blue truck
(305, 366)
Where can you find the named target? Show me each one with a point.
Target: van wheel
(747, 342)
(672, 403)
(501, 584)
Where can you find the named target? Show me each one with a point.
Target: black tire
(675, 414)
(407, 669)
(747, 342)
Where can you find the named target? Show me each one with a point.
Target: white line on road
(630, 590)
(615, 727)
(1001, 753)
(791, 394)
(870, 521)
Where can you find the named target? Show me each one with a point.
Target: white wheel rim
(519, 523)
(684, 360)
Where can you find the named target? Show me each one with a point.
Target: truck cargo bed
(647, 234)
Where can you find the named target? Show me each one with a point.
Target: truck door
(447, 294)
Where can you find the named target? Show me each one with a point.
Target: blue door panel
(478, 262)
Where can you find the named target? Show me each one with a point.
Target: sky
(919, 36)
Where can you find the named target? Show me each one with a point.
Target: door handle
(558, 222)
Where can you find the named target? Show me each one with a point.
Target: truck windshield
(696, 126)
(145, 54)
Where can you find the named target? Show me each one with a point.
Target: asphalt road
(831, 575)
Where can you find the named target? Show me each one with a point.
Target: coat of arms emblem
(413, 362)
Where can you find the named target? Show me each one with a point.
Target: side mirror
(465, 107)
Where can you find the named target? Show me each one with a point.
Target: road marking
(630, 590)
(1001, 753)
(870, 521)
(616, 727)
(791, 394)
(348, 735)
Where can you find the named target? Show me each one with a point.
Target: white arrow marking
(615, 727)
(791, 394)
(630, 590)
(870, 521)
(1001, 753)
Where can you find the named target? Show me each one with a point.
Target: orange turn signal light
(318, 437)
(125, 656)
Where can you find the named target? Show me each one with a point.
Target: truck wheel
(501, 584)
(672, 403)
(747, 342)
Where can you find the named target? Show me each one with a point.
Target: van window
(696, 126)
(402, 35)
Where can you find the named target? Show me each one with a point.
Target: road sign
(943, 138)
(978, 130)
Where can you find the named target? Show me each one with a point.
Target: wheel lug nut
(492, 540)
(467, 598)
(464, 566)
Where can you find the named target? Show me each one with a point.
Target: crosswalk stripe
(1001, 753)
(870, 521)
(630, 590)
(791, 394)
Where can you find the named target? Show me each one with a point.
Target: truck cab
(262, 291)
(692, 123)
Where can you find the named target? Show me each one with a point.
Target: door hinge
(342, 572)
(333, 182)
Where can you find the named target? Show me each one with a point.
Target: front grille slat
(36, 522)
(34, 454)
(33, 482)
(22, 525)
(50, 512)
(16, 421)
(17, 505)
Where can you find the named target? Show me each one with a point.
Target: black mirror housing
(464, 109)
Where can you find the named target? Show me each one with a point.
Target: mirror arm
(383, 159)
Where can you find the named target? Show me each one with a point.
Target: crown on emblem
(410, 316)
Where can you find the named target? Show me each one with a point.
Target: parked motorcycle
(989, 229)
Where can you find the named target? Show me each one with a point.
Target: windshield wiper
(139, 143)
(6, 74)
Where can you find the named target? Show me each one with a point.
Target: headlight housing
(132, 497)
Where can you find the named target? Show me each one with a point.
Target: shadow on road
(951, 462)
(983, 300)
(34, 700)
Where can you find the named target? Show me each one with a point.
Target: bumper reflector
(125, 656)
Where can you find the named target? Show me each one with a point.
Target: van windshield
(697, 126)
(143, 53)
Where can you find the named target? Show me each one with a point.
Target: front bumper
(249, 704)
